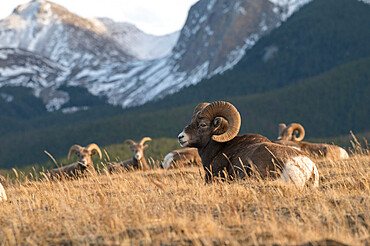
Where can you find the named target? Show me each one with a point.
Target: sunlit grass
(177, 207)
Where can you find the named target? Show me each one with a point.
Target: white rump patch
(343, 154)
(3, 196)
(167, 160)
(298, 170)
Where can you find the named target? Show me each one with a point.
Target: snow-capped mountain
(127, 66)
(23, 68)
(214, 38)
(51, 30)
(141, 45)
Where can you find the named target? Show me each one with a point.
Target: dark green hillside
(321, 36)
(22, 105)
(327, 105)
(25, 112)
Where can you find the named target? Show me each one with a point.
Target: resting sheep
(3, 196)
(288, 136)
(138, 160)
(182, 157)
(84, 164)
(213, 131)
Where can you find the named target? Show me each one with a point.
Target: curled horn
(296, 127)
(144, 140)
(227, 111)
(73, 148)
(95, 147)
(199, 108)
(129, 141)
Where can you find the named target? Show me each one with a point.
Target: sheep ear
(220, 125)
(145, 146)
(94, 152)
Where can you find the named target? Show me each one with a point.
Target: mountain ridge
(290, 53)
(213, 39)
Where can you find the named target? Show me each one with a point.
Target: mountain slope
(216, 36)
(41, 43)
(50, 30)
(21, 112)
(140, 45)
(330, 104)
(317, 38)
(213, 39)
(102, 55)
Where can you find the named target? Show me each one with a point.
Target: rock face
(27, 69)
(138, 44)
(130, 67)
(214, 38)
(50, 30)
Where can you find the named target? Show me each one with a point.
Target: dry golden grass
(171, 207)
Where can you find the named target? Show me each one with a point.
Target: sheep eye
(203, 125)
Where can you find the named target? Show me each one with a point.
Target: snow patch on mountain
(23, 68)
(74, 109)
(365, 1)
(120, 62)
(236, 55)
(141, 45)
(216, 35)
(289, 6)
(50, 30)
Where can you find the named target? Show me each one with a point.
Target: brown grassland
(176, 207)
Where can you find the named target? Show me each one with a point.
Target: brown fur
(127, 165)
(237, 157)
(71, 170)
(83, 166)
(288, 143)
(134, 163)
(244, 155)
(319, 150)
(183, 157)
(315, 150)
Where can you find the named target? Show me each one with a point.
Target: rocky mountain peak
(216, 35)
(129, 67)
(45, 12)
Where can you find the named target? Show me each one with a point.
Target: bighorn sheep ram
(182, 157)
(84, 164)
(138, 160)
(3, 196)
(288, 136)
(213, 131)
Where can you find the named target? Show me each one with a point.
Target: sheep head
(290, 132)
(84, 154)
(138, 148)
(219, 121)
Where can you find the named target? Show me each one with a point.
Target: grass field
(176, 207)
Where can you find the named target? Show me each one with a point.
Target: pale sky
(152, 16)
